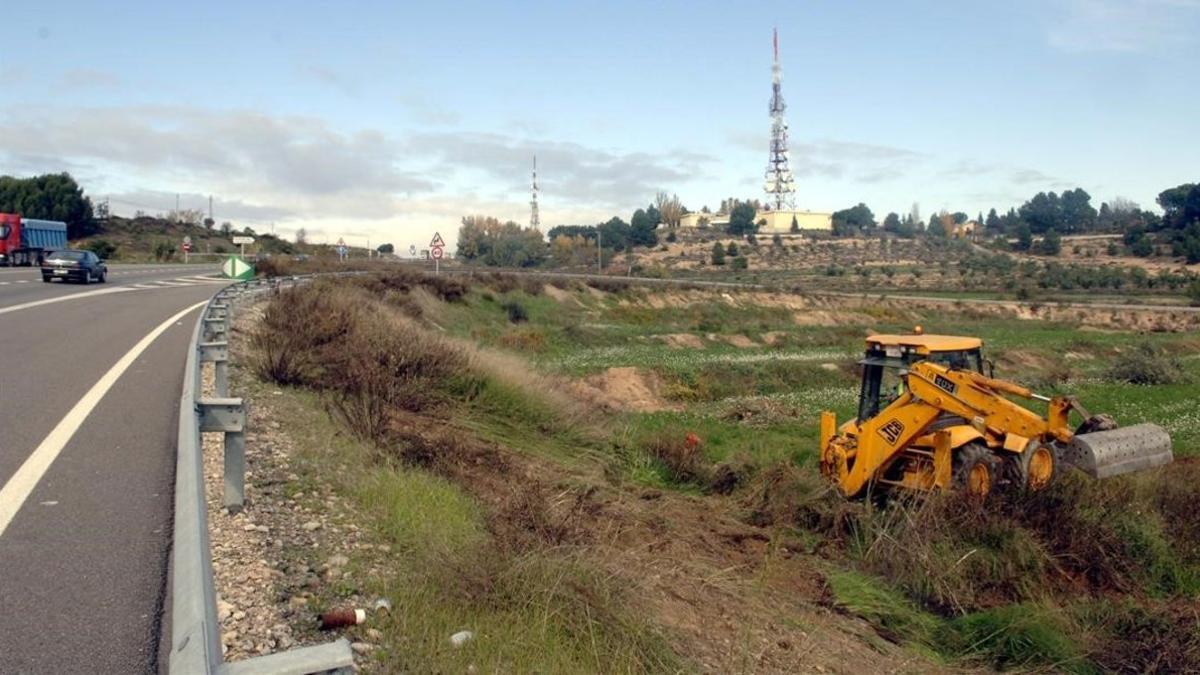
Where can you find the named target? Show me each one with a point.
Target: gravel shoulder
(277, 562)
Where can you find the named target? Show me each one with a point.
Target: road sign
(412, 249)
(341, 250)
(239, 239)
(341, 243)
(187, 244)
(236, 268)
(436, 252)
(437, 242)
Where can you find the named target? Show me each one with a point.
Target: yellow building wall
(781, 221)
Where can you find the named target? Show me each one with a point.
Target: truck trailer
(25, 241)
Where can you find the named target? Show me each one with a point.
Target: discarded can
(342, 617)
(382, 605)
(461, 638)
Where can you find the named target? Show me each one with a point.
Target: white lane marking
(142, 286)
(164, 282)
(22, 281)
(63, 298)
(21, 485)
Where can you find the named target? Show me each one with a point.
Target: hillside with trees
(142, 238)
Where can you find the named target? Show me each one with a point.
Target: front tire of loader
(1035, 469)
(975, 470)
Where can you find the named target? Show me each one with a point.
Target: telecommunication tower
(535, 220)
(780, 186)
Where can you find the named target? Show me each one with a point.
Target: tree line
(488, 240)
(1038, 224)
(53, 196)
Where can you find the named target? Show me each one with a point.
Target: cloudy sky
(390, 120)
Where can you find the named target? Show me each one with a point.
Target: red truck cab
(10, 236)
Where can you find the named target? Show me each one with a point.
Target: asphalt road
(83, 559)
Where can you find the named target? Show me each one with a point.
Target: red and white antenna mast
(780, 185)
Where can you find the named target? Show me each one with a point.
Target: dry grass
(368, 360)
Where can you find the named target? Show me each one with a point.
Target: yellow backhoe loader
(930, 419)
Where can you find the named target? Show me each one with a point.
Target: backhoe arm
(977, 399)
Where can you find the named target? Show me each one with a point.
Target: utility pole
(599, 253)
(210, 217)
(535, 220)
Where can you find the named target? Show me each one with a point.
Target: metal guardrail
(195, 630)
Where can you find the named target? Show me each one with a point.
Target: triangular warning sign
(437, 240)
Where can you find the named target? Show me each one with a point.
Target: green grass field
(1084, 577)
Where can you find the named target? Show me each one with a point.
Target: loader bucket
(1103, 454)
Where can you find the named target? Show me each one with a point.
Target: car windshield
(66, 255)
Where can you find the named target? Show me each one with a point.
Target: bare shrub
(1146, 363)
(367, 360)
(680, 454)
(299, 332)
(389, 365)
(609, 285)
(449, 289)
(533, 285)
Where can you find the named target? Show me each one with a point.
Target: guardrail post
(217, 353)
(228, 415)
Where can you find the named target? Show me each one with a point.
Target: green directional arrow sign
(236, 268)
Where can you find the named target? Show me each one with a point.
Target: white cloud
(1125, 25)
(294, 163)
(301, 172)
(571, 172)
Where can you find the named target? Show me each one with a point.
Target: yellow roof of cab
(927, 344)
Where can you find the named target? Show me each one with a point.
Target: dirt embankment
(825, 309)
(626, 389)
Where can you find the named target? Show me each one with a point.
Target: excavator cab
(888, 358)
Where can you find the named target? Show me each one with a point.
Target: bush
(609, 285)
(102, 247)
(718, 254)
(1019, 636)
(347, 345)
(740, 263)
(516, 311)
(680, 455)
(1146, 363)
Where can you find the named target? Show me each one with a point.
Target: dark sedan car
(81, 266)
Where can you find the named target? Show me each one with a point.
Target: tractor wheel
(975, 470)
(1034, 469)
